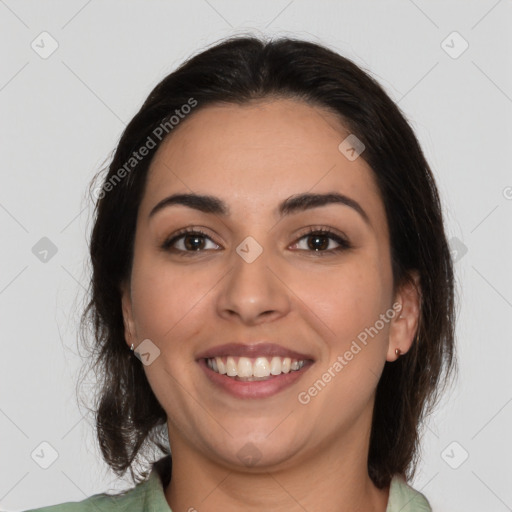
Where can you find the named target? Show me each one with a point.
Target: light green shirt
(148, 496)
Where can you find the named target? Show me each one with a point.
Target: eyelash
(344, 244)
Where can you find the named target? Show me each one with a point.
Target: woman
(269, 245)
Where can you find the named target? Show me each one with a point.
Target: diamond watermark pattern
(454, 455)
(44, 45)
(457, 249)
(44, 250)
(454, 45)
(249, 249)
(44, 455)
(249, 454)
(147, 352)
(351, 147)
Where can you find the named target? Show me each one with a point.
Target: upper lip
(262, 349)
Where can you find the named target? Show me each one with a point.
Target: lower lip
(254, 389)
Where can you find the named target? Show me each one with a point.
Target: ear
(129, 324)
(404, 325)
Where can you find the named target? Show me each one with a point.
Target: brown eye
(318, 242)
(322, 241)
(193, 242)
(189, 241)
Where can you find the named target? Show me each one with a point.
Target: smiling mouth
(247, 369)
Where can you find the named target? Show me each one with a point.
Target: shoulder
(403, 498)
(127, 501)
(147, 495)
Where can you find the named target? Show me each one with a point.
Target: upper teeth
(258, 367)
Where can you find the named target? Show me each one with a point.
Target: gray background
(60, 117)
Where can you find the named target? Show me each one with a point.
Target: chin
(257, 453)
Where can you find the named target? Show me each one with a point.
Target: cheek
(168, 307)
(346, 300)
(347, 304)
(168, 302)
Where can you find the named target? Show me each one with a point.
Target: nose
(253, 292)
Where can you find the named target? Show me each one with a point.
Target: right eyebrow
(203, 203)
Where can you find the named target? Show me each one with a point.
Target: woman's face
(258, 282)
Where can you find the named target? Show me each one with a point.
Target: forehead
(261, 153)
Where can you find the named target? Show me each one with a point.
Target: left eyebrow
(294, 204)
(304, 202)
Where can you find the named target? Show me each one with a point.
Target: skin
(311, 456)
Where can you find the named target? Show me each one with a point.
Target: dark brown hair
(129, 419)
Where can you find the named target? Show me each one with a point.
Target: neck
(331, 478)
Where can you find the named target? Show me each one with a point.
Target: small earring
(131, 347)
(398, 352)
